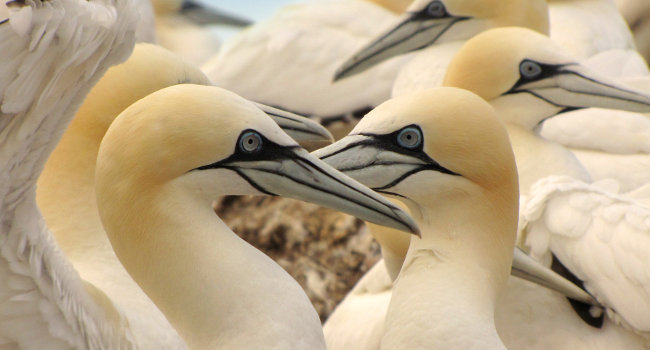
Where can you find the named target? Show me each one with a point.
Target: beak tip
(338, 75)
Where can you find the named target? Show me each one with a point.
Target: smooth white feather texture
(289, 60)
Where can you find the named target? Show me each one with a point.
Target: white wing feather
(289, 61)
(52, 54)
(603, 238)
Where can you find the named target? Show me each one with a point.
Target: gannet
(470, 72)
(600, 237)
(53, 52)
(637, 14)
(443, 153)
(66, 193)
(180, 27)
(447, 24)
(297, 51)
(161, 164)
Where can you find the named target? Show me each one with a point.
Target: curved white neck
(445, 295)
(215, 289)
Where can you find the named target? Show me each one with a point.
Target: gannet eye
(250, 142)
(436, 9)
(410, 137)
(530, 69)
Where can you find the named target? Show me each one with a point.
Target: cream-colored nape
(528, 80)
(66, 194)
(161, 164)
(444, 153)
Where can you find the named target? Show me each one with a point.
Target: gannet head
(151, 68)
(427, 22)
(211, 143)
(445, 154)
(528, 78)
(419, 147)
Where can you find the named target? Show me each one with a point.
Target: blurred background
(254, 10)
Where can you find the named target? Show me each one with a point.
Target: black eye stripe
(270, 151)
(389, 142)
(547, 70)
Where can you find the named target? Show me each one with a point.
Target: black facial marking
(422, 19)
(546, 71)
(271, 151)
(390, 142)
(268, 151)
(579, 307)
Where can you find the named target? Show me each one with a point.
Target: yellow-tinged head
(454, 134)
(528, 78)
(446, 155)
(205, 142)
(150, 68)
(429, 22)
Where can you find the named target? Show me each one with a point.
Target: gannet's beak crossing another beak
(572, 86)
(205, 15)
(417, 29)
(379, 163)
(525, 267)
(298, 127)
(290, 171)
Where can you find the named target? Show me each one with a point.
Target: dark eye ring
(530, 69)
(250, 142)
(436, 9)
(410, 137)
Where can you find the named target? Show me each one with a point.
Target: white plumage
(52, 54)
(602, 237)
(289, 60)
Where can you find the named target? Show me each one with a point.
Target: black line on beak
(415, 17)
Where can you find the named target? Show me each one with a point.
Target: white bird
(181, 26)
(436, 29)
(53, 52)
(66, 192)
(491, 67)
(161, 164)
(592, 30)
(443, 153)
(528, 79)
(297, 51)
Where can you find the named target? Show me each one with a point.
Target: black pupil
(436, 9)
(530, 69)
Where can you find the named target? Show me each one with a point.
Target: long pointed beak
(298, 127)
(573, 86)
(413, 32)
(525, 267)
(205, 15)
(293, 172)
(373, 161)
